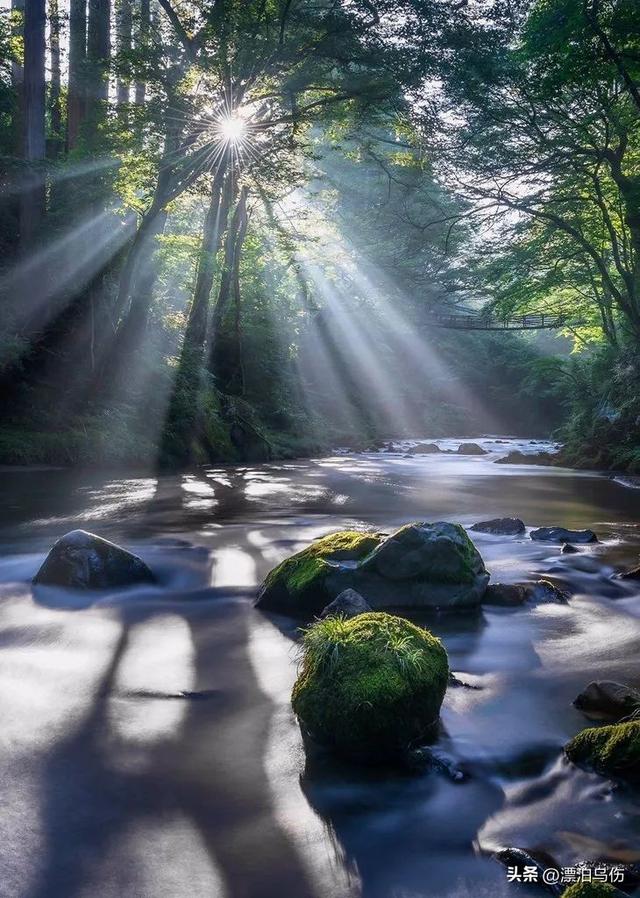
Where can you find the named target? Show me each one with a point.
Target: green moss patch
(298, 583)
(591, 890)
(371, 686)
(610, 750)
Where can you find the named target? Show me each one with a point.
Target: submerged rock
(370, 688)
(299, 584)
(471, 449)
(85, 561)
(526, 458)
(421, 565)
(348, 604)
(633, 574)
(512, 594)
(562, 535)
(520, 859)
(606, 698)
(612, 750)
(568, 549)
(500, 526)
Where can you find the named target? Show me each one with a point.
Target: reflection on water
(148, 746)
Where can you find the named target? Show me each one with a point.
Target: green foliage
(611, 750)
(592, 890)
(370, 686)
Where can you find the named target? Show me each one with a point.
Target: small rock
(348, 604)
(526, 458)
(500, 526)
(568, 549)
(633, 574)
(85, 561)
(562, 535)
(513, 594)
(425, 449)
(471, 449)
(606, 698)
(507, 594)
(519, 858)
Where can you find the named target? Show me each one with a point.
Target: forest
(230, 230)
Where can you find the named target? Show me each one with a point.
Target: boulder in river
(612, 750)
(562, 535)
(85, 561)
(370, 688)
(298, 585)
(500, 526)
(608, 699)
(568, 549)
(633, 574)
(421, 565)
(526, 458)
(426, 449)
(512, 594)
(348, 604)
(471, 449)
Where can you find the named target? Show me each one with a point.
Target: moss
(591, 890)
(370, 686)
(298, 582)
(611, 750)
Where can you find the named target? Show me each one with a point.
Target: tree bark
(141, 42)
(76, 100)
(124, 16)
(33, 195)
(55, 109)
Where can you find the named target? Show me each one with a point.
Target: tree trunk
(98, 55)
(76, 99)
(141, 42)
(124, 15)
(233, 248)
(215, 225)
(33, 195)
(17, 75)
(55, 109)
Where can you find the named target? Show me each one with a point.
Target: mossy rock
(421, 565)
(610, 750)
(298, 584)
(592, 890)
(370, 687)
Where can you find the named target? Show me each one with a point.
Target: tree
(34, 147)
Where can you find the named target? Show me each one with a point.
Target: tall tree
(124, 12)
(34, 147)
(76, 98)
(142, 38)
(98, 56)
(55, 108)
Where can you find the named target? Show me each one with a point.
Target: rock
(606, 698)
(471, 449)
(562, 535)
(298, 584)
(507, 594)
(371, 687)
(348, 604)
(512, 594)
(85, 561)
(425, 449)
(593, 890)
(633, 574)
(500, 526)
(421, 565)
(568, 549)
(612, 750)
(519, 858)
(431, 760)
(526, 458)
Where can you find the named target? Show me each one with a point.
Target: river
(147, 744)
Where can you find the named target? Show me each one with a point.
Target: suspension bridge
(468, 321)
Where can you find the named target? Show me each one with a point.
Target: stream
(147, 744)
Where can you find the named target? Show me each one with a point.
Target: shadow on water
(210, 772)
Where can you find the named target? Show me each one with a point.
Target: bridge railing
(467, 321)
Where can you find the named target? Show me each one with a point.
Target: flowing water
(147, 744)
